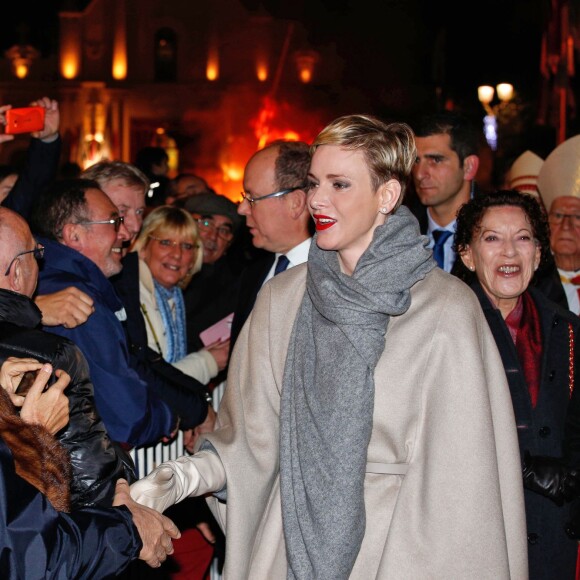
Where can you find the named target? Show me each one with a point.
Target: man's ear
(470, 167)
(297, 203)
(389, 194)
(15, 280)
(71, 235)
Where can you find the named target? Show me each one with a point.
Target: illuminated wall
(119, 69)
(70, 44)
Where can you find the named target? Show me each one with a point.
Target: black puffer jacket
(97, 462)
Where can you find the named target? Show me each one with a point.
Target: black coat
(97, 462)
(185, 395)
(251, 282)
(551, 429)
(210, 296)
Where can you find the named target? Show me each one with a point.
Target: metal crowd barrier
(148, 458)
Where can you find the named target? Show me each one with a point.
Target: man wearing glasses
(83, 235)
(276, 212)
(560, 190)
(96, 462)
(126, 186)
(211, 294)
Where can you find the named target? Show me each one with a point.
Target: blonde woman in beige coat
(367, 429)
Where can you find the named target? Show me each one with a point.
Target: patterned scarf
(174, 325)
(328, 393)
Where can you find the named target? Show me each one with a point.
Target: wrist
(50, 138)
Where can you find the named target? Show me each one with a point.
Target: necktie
(575, 280)
(440, 237)
(281, 264)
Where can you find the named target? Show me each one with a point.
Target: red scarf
(524, 324)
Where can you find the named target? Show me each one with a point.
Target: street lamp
(485, 94)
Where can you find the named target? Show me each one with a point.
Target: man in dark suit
(277, 215)
(443, 175)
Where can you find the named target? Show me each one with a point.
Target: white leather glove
(175, 480)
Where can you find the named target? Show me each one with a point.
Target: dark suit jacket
(552, 428)
(210, 296)
(250, 283)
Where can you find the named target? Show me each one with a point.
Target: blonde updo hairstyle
(389, 149)
(166, 222)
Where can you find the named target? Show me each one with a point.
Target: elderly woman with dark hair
(503, 241)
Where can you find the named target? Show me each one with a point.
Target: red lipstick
(323, 225)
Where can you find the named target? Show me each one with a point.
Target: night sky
(385, 44)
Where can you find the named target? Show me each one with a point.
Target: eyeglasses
(557, 218)
(185, 246)
(38, 255)
(113, 221)
(252, 200)
(224, 232)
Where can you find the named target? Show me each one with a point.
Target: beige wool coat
(442, 406)
(442, 419)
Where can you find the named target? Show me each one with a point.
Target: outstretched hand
(69, 307)
(156, 530)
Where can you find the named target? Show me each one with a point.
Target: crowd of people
(398, 348)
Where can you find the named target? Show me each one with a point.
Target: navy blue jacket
(132, 413)
(36, 541)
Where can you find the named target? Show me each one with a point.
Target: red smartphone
(24, 120)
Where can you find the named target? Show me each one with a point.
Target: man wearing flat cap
(559, 185)
(211, 294)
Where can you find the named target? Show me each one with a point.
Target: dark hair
(471, 214)
(62, 203)
(464, 138)
(292, 163)
(149, 156)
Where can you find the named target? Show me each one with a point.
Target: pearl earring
(383, 210)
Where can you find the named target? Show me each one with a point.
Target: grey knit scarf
(328, 394)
